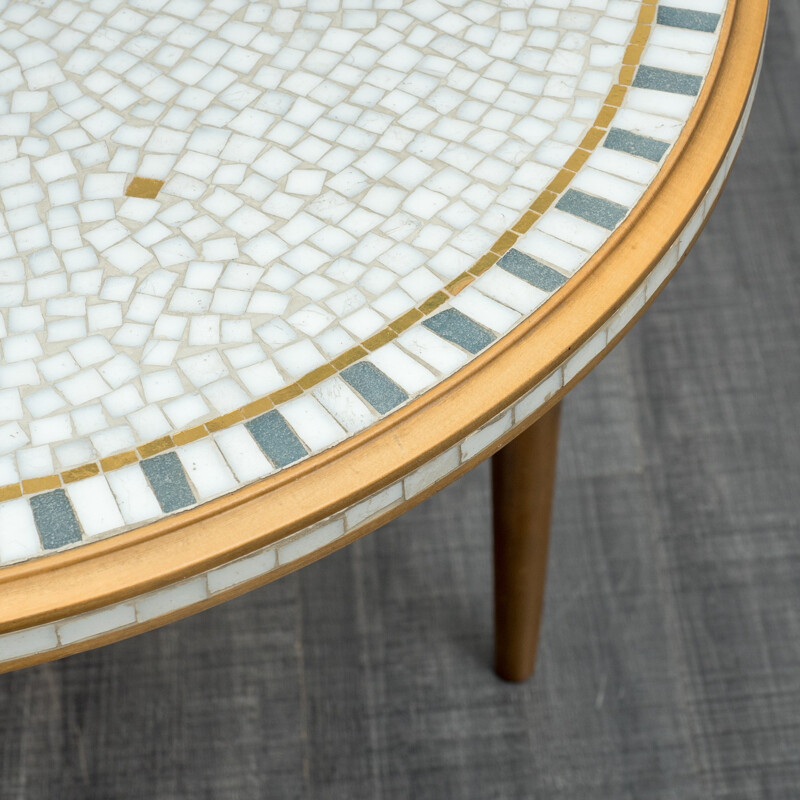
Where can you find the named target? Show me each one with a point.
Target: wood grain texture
(523, 480)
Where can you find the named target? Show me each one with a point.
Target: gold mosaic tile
(147, 188)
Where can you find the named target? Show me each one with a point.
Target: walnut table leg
(523, 477)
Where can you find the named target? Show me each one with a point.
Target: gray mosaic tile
(276, 439)
(665, 80)
(55, 519)
(635, 145)
(534, 272)
(686, 18)
(166, 476)
(592, 209)
(458, 328)
(380, 392)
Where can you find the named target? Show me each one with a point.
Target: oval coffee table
(271, 276)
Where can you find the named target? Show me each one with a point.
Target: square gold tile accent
(379, 339)
(543, 202)
(647, 13)
(459, 283)
(633, 54)
(41, 484)
(287, 393)
(77, 474)
(118, 461)
(525, 222)
(504, 243)
(317, 376)
(606, 115)
(189, 435)
(144, 187)
(482, 264)
(225, 421)
(10, 492)
(406, 321)
(433, 302)
(561, 181)
(158, 446)
(577, 160)
(616, 95)
(642, 32)
(257, 407)
(592, 138)
(349, 357)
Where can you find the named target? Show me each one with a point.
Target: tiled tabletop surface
(234, 234)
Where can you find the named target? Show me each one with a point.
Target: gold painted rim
(178, 547)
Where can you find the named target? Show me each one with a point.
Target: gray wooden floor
(670, 658)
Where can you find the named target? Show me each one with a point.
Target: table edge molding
(568, 336)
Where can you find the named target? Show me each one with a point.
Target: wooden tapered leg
(523, 477)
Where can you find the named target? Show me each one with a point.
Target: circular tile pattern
(236, 235)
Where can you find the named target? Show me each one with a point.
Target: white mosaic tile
(95, 623)
(305, 544)
(173, 598)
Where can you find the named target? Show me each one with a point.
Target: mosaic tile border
(242, 446)
(127, 617)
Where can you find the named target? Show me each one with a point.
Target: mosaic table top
(234, 234)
